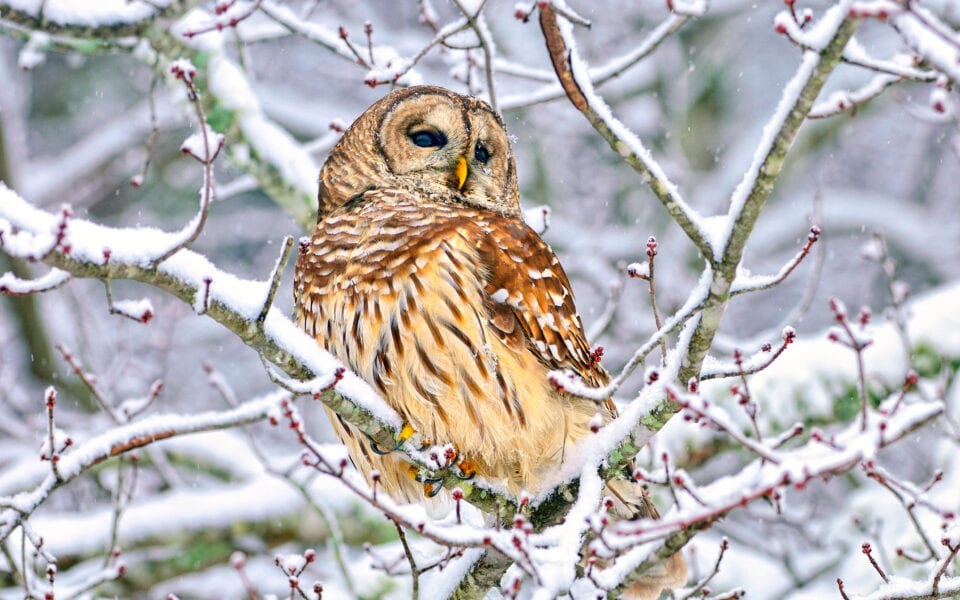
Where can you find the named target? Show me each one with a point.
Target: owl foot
(431, 487)
(405, 434)
(465, 470)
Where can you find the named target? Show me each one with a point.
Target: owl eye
(481, 153)
(428, 139)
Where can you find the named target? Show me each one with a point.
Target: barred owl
(422, 278)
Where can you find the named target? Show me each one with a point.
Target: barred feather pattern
(454, 316)
(427, 283)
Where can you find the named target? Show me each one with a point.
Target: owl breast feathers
(423, 279)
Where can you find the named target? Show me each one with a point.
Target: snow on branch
(121, 439)
(743, 285)
(929, 37)
(598, 75)
(88, 250)
(774, 470)
(77, 247)
(101, 19)
(11, 284)
(575, 78)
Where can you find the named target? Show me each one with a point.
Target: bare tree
(673, 147)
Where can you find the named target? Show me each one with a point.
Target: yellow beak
(461, 171)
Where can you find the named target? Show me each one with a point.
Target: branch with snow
(562, 541)
(233, 302)
(103, 20)
(237, 304)
(119, 440)
(13, 285)
(575, 79)
(748, 199)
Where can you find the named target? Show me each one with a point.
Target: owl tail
(631, 502)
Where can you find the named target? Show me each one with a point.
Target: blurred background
(78, 126)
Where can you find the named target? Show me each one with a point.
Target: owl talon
(405, 434)
(467, 470)
(375, 447)
(378, 449)
(432, 487)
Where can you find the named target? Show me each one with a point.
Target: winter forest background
(175, 469)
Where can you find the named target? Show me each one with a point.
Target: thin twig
(51, 400)
(944, 564)
(477, 22)
(275, 276)
(695, 591)
(414, 571)
(87, 381)
(765, 283)
(651, 255)
(754, 365)
(225, 20)
(186, 73)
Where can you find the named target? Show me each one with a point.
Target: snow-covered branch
(17, 508)
(88, 250)
(844, 435)
(103, 20)
(575, 79)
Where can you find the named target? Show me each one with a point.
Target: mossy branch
(40, 22)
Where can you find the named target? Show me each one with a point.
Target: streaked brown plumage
(423, 279)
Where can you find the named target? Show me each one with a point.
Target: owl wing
(529, 300)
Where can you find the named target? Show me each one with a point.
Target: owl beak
(461, 171)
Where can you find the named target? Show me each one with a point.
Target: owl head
(428, 138)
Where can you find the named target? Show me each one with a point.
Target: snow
(442, 583)
(291, 563)
(716, 229)
(203, 146)
(84, 454)
(33, 53)
(806, 379)
(138, 310)
(931, 43)
(85, 14)
(628, 141)
(11, 284)
(537, 218)
(639, 270)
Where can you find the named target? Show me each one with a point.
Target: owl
(422, 278)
